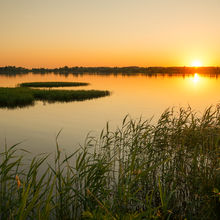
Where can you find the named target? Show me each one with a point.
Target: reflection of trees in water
(131, 70)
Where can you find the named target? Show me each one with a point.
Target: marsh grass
(139, 171)
(67, 95)
(15, 97)
(20, 96)
(52, 84)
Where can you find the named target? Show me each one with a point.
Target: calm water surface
(137, 96)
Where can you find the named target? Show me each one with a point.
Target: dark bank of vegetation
(130, 70)
(170, 170)
(21, 96)
(52, 84)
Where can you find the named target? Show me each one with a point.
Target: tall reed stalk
(169, 170)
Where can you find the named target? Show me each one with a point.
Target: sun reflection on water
(195, 78)
(197, 82)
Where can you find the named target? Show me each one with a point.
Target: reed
(170, 170)
(53, 84)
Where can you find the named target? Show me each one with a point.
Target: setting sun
(196, 63)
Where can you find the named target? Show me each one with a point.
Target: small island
(53, 84)
(24, 96)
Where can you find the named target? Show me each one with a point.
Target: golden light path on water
(196, 78)
(198, 83)
(137, 95)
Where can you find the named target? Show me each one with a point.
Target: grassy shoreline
(170, 170)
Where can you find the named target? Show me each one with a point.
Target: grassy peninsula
(21, 96)
(170, 170)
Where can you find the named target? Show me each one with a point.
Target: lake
(137, 95)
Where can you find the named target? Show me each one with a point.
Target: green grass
(15, 97)
(170, 170)
(67, 95)
(52, 84)
(20, 97)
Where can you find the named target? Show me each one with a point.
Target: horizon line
(110, 67)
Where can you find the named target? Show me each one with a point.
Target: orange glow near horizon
(53, 34)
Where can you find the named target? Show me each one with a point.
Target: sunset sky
(54, 33)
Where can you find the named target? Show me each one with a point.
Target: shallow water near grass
(138, 95)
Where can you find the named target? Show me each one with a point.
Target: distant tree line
(130, 70)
